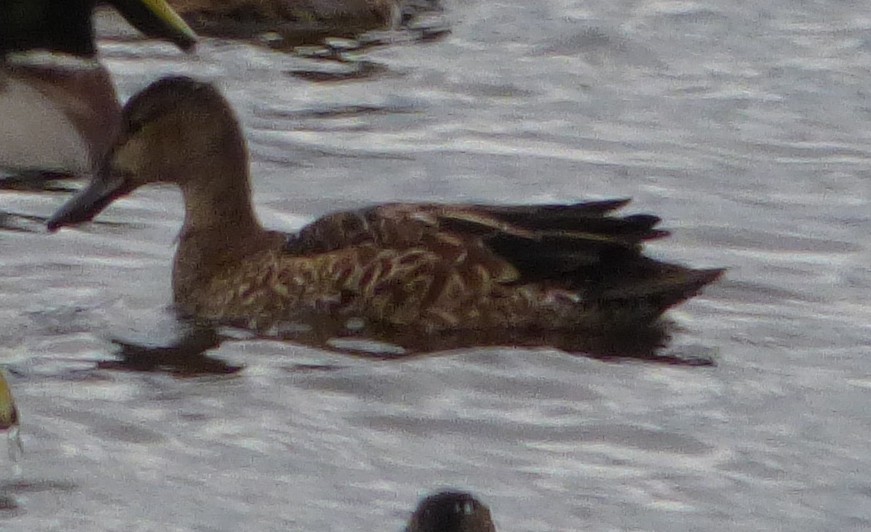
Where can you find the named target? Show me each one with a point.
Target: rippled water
(743, 124)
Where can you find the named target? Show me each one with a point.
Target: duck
(9, 419)
(59, 106)
(8, 411)
(413, 267)
(451, 511)
(294, 21)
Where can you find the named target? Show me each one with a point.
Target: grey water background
(745, 125)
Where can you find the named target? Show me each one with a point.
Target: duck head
(177, 130)
(451, 511)
(65, 25)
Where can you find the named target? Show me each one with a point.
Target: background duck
(451, 511)
(9, 419)
(8, 411)
(66, 26)
(60, 112)
(427, 267)
(296, 21)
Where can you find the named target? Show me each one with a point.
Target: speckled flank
(415, 265)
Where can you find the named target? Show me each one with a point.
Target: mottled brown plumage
(427, 267)
(297, 21)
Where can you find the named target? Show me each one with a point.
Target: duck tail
(654, 294)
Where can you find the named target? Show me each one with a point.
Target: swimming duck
(296, 21)
(451, 511)
(60, 112)
(65, 26)
(410, 266)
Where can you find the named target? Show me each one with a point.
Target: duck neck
(218, 201)
(220, 227)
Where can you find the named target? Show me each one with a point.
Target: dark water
(743, 124)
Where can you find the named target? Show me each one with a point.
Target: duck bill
(90, 201)
(156, 18)
(8, 412)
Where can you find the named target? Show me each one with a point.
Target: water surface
(743, 124)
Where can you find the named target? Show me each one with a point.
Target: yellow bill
(156, 18)
(8, 412)
(9, 419)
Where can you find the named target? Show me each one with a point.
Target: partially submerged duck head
(451, 511)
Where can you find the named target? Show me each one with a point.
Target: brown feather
(412, 266)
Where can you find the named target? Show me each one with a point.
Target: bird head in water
(451, 511)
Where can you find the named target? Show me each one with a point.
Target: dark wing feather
(589, 218)
(404, 224)
(581, 247)
(580, 242)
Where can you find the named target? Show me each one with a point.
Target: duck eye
(133, 127)
(464, 508)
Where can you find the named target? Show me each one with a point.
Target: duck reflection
(182, 348)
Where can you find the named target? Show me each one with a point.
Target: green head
(65, 25)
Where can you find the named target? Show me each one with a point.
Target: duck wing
(573, 244)
(461, 252)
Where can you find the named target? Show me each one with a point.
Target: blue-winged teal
(60, 112)
(451, 511)
(412, 266)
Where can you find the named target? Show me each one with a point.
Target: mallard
(60, 112)
(65, 26)
(409, 266)
(451, 511)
